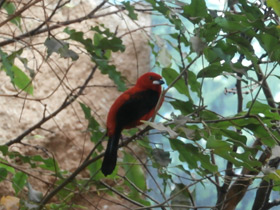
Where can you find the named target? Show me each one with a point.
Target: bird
(129, 109)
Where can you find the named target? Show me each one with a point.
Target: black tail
(110, 157)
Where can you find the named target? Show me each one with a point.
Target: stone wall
(64, 136)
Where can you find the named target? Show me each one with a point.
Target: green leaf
(229, 26)
(3, 174)
(194, 83)
(164, 9)
(65, 193)
(8, 61)
(237, 123)
(196, 10)
(21, 80)
(170, 75)
(14, 55)
(208, 115)
(78, 36)
(107, 40)
(271, 44)
(221, 51)
(19, 181)
(7, 64)
(186, 107)
(104, 41)
(260, 108)
(190, 154)
(7, 168)
(93, 126)
(274, 175)
(183, 39)
(246, 158)
(134, 172)
(11, 9)
(130, 10)
(115, 44)
(4, 149)
(275, 4)
(24, 61)
(159, 6)
(252, 11)
(224, 150)
(95, 172)
(114, 75)
(209, 31)
(61, 48)
(211, 55)
(234, 135)
(212, 143)
(260, 132)
(45, 163)
(214, 70)
(101, 29)
(18, 77)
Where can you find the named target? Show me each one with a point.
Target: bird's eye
(151, 78)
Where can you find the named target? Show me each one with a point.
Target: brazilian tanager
(136, 104)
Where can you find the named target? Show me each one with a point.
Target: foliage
(217, 131)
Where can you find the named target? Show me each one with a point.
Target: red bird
(136, 104)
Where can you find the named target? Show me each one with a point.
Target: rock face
(64, 136)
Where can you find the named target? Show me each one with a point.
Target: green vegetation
(216, 138)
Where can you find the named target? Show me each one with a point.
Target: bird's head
(150, 80)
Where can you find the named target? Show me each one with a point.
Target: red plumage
(136, 104)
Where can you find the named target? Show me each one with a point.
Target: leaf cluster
(219, 125)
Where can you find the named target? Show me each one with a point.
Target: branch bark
(69, 100)
(38, 29)
(238, 189)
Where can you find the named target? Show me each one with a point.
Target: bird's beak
(158, 82)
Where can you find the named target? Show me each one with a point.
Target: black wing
(137, 106)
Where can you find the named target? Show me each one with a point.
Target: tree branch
(263, 193)
(240, 186)
(36, 31)
(68, 100)
(17, 13)
(85, 164)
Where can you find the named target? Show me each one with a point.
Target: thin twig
(17, 13)
(68, 100)
(87, 162)
(36, 31)
(122, 195)
(153, 178)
